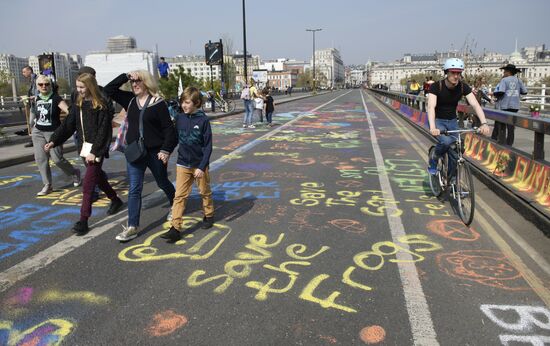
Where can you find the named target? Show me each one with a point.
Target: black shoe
(173, 235)
(207, 222)
(81, 227)
(22, 133)
(115, 206)
(28, 145)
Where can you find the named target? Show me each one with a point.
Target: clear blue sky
(360, 29)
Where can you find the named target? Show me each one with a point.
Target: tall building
(122, 55)
(329, 63)
(13, 66)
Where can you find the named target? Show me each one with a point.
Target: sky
(361, 30)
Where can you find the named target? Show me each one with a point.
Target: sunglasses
(43, 84)
(132, 81)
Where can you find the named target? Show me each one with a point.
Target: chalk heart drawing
(193, 246)
(490, 268)
(50, 332)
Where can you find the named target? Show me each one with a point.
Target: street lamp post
(313, 31)
(244, 42)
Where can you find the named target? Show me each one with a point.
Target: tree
(305, 79)
(169, 87)
(63, 86)
(5, 83)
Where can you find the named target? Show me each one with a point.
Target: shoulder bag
(136, 150)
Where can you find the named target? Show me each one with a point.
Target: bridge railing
(540, 126)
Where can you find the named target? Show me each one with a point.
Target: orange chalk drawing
(489, 268)
(453, 230)
(165, 323)
(372, 335)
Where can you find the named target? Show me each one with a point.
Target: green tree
(169, 87)
(304, 79)
(5, 83)
(63, 86)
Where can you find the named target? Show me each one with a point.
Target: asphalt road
(325, 233)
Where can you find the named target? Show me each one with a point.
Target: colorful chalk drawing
(12, 181)
(165, 323)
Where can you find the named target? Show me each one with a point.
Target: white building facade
(196, 66)
(329, 63)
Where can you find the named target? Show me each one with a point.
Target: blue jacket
(195, 140)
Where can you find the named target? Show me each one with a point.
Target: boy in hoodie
(195, 148)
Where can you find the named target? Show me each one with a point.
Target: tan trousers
(184, 185)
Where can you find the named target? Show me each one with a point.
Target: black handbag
(136, 150)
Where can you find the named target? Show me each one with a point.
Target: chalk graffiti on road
(522, 323)
(27, 224)
(11, 181)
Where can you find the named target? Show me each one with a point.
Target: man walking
(28, 73)
(163, 68)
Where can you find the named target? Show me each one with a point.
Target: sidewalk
(15, 152)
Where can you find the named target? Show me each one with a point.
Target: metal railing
(540, 126)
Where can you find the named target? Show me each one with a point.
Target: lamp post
(244, 43)
(313, 31)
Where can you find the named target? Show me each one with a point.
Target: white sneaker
(169, 217)
(76, 178)
(245, 126)
(128, 233)
(251, 127)
(46, 190)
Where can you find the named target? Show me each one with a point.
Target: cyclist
(443, 99)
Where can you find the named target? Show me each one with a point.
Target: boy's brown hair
(193, 94)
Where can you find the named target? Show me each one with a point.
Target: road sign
(213, 52)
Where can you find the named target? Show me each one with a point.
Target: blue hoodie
(195, 140)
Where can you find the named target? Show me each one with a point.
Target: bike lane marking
(529, 276)
(420, 319)
(40, 260)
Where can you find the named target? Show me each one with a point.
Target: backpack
(245, 94)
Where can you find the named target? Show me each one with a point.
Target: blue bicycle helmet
(454, 65)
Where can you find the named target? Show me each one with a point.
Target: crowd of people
(150, 138)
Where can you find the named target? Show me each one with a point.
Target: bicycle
(225, 105)
(462, 187)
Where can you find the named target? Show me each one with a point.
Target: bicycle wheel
(435, 180)
(465, 193)
(230, 105)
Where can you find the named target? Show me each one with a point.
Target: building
(252, 63)
(533, 62)
(281, 80)
(195, 65)
(13, 66)
(355, 76)
(329, 63)
(122, 55)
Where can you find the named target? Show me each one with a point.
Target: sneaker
(81, 227)
(169, 216)
(207, 222)
(115, 206)
(173, 234)
(432, 167)
(245, 126)
(76, 178)
(46, 190)
(251, 127)
(22, 133)
(128, 233)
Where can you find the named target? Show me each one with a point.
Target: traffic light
(213, 52)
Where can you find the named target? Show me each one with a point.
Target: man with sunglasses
(443, 99)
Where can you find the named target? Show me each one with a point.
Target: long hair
(148, 81)
(90, 83)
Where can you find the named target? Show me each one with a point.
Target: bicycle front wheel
(465, 193)
(435, 180)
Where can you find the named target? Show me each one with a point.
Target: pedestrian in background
(269, 107)
(507, 93)
(90, 117)
(47, 115)
(194, 150)
(159, 140)
(32, 95)
(163, 68)
(259, 105)
(248, 106)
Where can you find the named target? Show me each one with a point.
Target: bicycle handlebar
(475, 129)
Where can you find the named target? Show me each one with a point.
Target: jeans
(445, 142)
(269, 117)
(248, 111)
(136, 173)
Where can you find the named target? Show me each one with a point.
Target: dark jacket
(158, 130)
(97, 128)
(195, 140)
